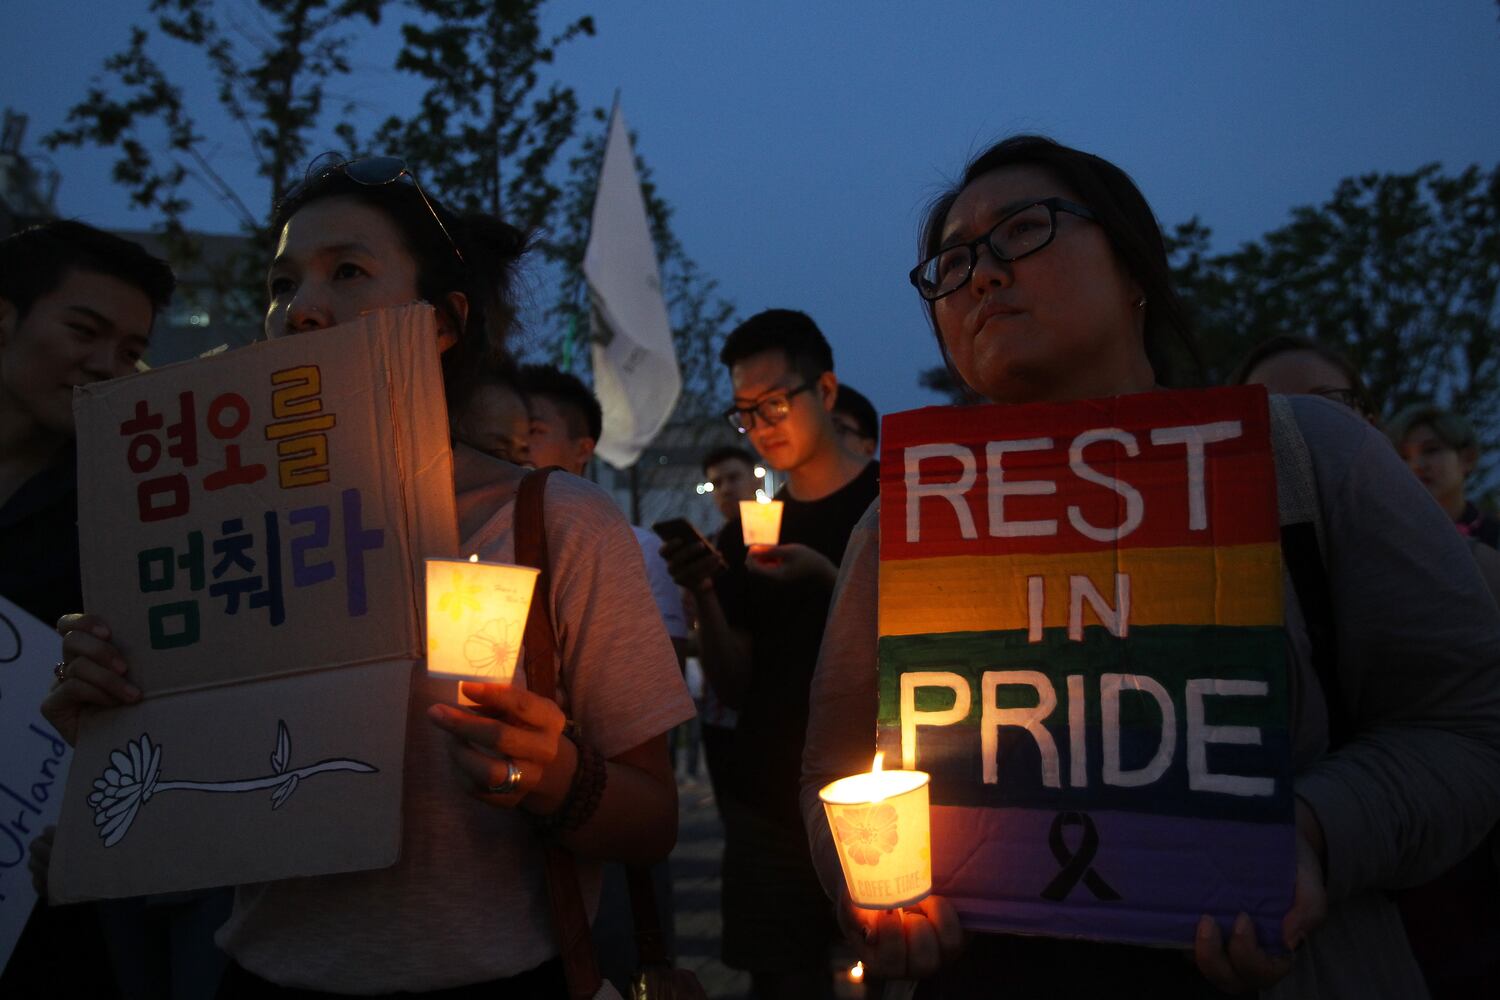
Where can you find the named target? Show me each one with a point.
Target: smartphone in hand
(679, 529)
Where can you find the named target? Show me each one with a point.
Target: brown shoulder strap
(530, 532)
(569, 917)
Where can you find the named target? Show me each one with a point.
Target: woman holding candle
(1072, 300)
(466, 905)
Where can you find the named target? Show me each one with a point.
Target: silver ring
(512, 779)
(58, 671)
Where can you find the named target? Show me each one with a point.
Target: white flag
(635, 366)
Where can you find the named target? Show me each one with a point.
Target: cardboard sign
(1081, 639)
(33, 761)
(253, 527)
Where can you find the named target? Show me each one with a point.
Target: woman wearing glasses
(467, 902)
(1046, 279)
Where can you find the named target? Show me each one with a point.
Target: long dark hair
(1122, 212)
(481, 261)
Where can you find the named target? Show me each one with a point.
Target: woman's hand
(786, 563)
(1244, 966)
(913, 942)
(93, 675)
(510, 727)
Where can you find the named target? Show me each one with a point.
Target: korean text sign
(1081, 639)
(253, 527)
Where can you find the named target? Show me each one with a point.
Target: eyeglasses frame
(735, 413)
(1053, 206)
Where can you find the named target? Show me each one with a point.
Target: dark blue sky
(798, 142)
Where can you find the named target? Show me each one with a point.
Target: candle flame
(879, 759)
(474, 557)
(857, 973)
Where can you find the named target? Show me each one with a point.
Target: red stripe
(1239, 488)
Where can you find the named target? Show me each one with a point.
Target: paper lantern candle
(760, 520)
(476, 616)
(880, 826)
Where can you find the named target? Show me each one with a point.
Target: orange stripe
(1233, 585)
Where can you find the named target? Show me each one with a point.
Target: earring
(1140, 303)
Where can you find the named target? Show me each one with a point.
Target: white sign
(33, 761)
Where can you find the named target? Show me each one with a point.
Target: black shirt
(785, 622)
(39, 558)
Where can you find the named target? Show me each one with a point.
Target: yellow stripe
(1235, 585)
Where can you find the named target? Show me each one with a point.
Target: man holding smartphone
(761, 615)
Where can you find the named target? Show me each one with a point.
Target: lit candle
(880, 826)
(476, 617)
(760, 521)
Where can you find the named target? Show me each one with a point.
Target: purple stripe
(993, 864)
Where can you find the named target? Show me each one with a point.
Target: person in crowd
(566, 419)
(1298, 366)
(77, 306)
(730, 470)
(466, 904)
(495, 419)
(1441, 449)
(1077, 303)
(857, 421)
(565, 427)
(760, 622)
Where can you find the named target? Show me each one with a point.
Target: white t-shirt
(467, 902)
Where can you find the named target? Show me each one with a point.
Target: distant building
(217, 304)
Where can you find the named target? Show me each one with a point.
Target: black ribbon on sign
(1076, 866)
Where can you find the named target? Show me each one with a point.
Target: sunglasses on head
(378, 171)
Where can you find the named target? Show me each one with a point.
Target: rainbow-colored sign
(1081, 640)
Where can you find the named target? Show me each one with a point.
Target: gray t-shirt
(1415, 789)
(467, 901)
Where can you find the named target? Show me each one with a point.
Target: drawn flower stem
(269, 781)
(133, 776)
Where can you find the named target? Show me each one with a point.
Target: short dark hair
(1453, 429)
(1120, 210)
(792, 333)
(491, 249)
(853, 402)
(727, 453)
(579, 406)
(34, 261)
(1286, 343)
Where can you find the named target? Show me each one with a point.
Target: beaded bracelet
(584, 794)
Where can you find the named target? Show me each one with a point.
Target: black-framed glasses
(1351, 397)
(772, 409)
(1019, 234)
(378, 171)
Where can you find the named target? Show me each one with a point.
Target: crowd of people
(1045, 277)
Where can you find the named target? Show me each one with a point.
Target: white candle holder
(760, 522)
(880, 825)
(476, 618)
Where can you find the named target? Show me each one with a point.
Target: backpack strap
(1303, 551)
(569, 916)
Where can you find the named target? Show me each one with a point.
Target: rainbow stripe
(1081, 640)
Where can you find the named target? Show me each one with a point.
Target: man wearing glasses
(761, 615)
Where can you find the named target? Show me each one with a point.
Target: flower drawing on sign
(868, 833)
(494, 643)
(124, 787)
(134, 773)
(461, 598)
